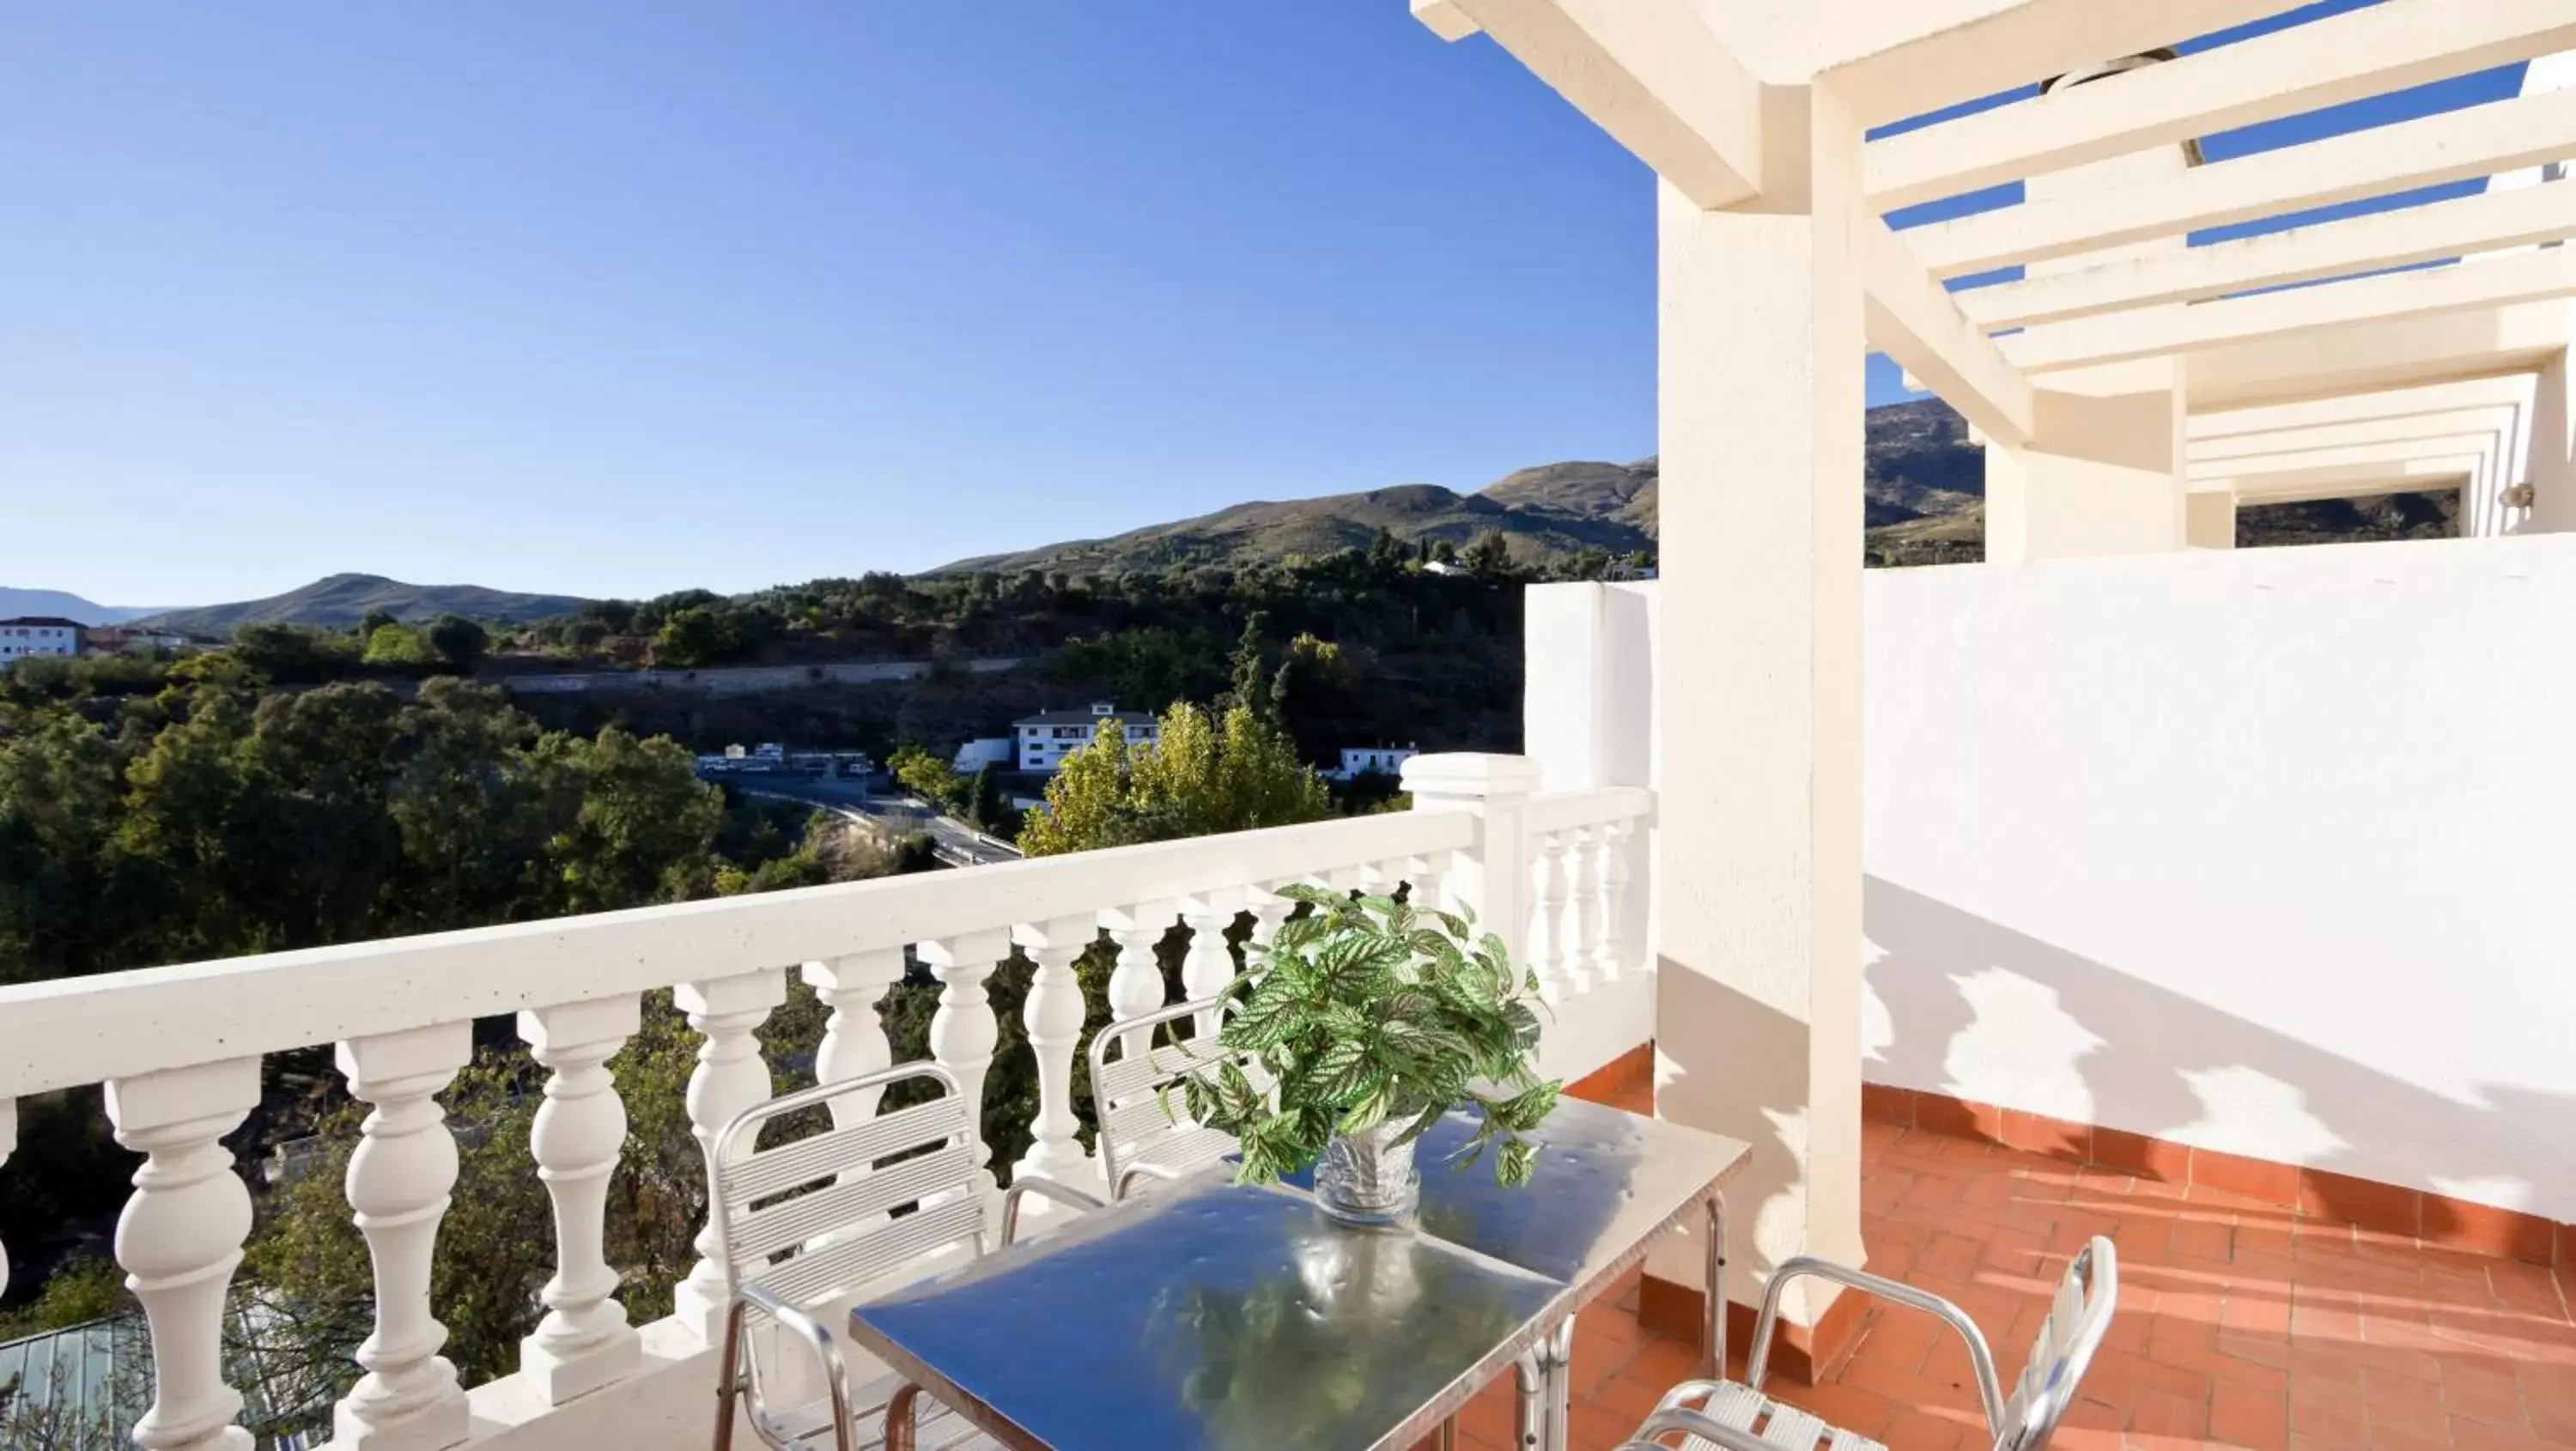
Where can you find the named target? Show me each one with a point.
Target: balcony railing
(180, 1049)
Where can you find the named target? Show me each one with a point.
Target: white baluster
(1269, 911)
(1582, 912)
(729, 1078)
(398, 1185)
(854, 1038)
(8, 1144)
(1547, 921)
(1054, 1014)
(180, 1239)
(1609, 932)
(1210, 965)
(963, 1032)
(1136, 984)
(584, 1342)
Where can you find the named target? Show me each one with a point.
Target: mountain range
(63, 604)
(342, 600)
(1919, 466)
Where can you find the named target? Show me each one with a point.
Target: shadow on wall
(2069, 1031)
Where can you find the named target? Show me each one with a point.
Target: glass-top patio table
(1208, 1316)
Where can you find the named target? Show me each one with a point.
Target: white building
(29, 635)
(1361, 760)
(984, 751)
(1046, 737)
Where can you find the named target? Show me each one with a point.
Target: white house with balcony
(1045, 739)
(2259, 855)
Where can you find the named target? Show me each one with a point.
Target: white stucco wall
(2270, 851)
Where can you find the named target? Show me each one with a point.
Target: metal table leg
(1716, 1342)
(1543, 1418)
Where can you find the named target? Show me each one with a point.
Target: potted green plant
(1368, 1019)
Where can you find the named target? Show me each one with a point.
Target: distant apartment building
(1362, 760)
(1046, 738)
(984, 751)
(33, 635)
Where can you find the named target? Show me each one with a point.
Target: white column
(2209, 518)
(854, 1038)
(180, 1239)
(1588, 653)
(584, 1342)
(398, 1186)
(2552, 509)
(729, 1078)
(1210, 964)
(1493, 877)
(2105, 475)
(963, 1032)
(1758, 819)
(1053, 1015)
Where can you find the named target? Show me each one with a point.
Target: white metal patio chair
(806, 1220)
(1726, 1416)
(1140, 1138)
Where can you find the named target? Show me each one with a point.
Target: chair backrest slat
(823, 1155)
(859, 1198)
(862, 1257)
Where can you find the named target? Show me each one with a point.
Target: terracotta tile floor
(2239, 1324)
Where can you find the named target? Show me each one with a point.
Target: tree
(402, 646)
(1489, 556)
(375, 620)
(459, 641)
(929, 777)
(1200, 777)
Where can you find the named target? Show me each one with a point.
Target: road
(951, 840)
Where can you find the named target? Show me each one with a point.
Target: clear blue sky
(618, 298)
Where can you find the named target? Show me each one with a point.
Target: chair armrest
(1989, 1387)
(1044, 1188)
(1133, 1172)
(1677, 1418)
(836, 1374)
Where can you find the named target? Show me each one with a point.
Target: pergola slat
(2495, 282)
(2383, 47)
(2455, 146)
(2489, 221)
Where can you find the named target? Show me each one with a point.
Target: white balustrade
(398, 1185)
(729, 1078)
(1053, 1015)
(584, 1342)
(180, 1238)
(178, 1049)
(963, 1032)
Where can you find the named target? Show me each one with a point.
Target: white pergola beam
(2366, 357)
(2385, 404)
(2383, 47)
(1649, 72)
(2412, 429)
(1903, 58)
(1914, 319)
(2454, 146)
(2486, 222)
(2272, 316)
(2353, 481)
(2466, 445)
